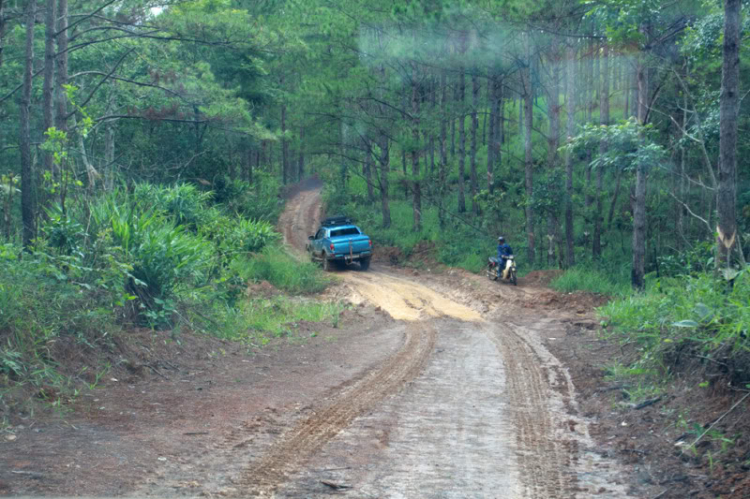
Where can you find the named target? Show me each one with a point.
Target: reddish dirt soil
(434, 383)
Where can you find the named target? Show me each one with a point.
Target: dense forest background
(144, 146)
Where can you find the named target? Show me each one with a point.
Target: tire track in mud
(292, 449)
(543, 458)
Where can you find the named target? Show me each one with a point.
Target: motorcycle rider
(503, 252)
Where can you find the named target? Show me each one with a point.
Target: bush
(184, 203)
(681, 315)
(44, 297)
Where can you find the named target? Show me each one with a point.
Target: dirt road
(433, 386)
(478, 408)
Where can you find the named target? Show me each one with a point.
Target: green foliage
(282, 270)
(184, 203)
(677, 316)
(258, 320)
(592, 280)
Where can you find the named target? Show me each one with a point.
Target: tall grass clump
(282, 270)
(592, 281)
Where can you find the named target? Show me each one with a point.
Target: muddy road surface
(432, 386)
(477, 408)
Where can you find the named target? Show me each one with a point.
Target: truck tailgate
(351, 244)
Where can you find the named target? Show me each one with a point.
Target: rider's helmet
(501, 239)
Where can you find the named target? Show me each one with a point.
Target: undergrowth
(698, 319)
(592, 280)
(162, 257)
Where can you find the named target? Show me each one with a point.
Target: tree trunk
(284, 147)
(570, 132)
(49, 76)
(61, 96)
(27, 171)
(368, 173)
(596, 249)
(492, 95)
(474, 132)
(729, 103)
(612, 206)
(461, 140)
(639, 203)
(301, 159)
(553, 143)
(416, 184)
(441, 190)
(383, 177)
(528, 101)
(453, 122)
(2, 30)
(433, 107)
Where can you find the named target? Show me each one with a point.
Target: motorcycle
(494, 272)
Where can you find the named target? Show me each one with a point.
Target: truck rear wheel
(364, 263)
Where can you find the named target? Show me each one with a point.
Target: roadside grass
(282, 270)
(257, 321)
(591, 281)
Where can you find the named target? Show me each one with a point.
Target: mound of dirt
(541, 277)
(262, 289)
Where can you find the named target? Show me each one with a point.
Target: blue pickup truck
(338, 240)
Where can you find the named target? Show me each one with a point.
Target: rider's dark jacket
(504, 250)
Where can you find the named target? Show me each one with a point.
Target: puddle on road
(406, 300)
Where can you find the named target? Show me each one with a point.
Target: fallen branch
(717, 421)
(647, 403)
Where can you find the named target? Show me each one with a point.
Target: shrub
(679, 315)
(184, 203)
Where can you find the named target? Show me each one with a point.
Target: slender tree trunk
(453, 122)
(612, 206)
(681, 239)
(2, 30)
(492, 94)
(383, 177)
(596, 249)
(61, 80)
(301, 159)
(441, 190)
(639, 203)
(433, 108)
(570, 131)
(552, 155)
(461, 140)
(474, 133)
(729, 103)
(284, 147)
(49, 76)
(28, 210)
(368, 173)
(528, 100)
(416, 183)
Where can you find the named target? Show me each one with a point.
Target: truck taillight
(332, 247)
(370, 241)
